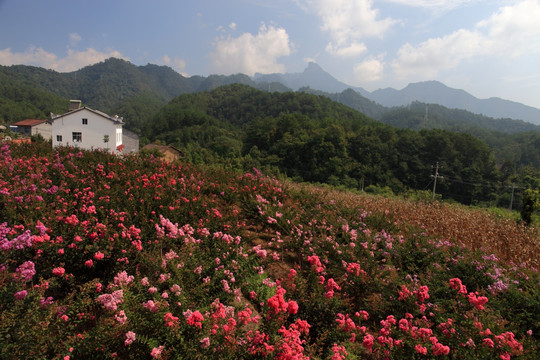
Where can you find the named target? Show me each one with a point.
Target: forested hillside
(114, 86)
(301, 135)
(311, 138)
(21, 100)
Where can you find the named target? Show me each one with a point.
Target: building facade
(88, 129)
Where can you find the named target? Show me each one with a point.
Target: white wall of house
(43, 129)
(86, 129)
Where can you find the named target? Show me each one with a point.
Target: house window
(59, 138)
(85, 121)
(77, 137)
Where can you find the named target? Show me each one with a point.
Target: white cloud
(74, 39)
(249, 53)
(441, 4)
(436, 54)
(232, 26)
(166, 59)
(177, 64)
(369, 70)
(348, 21)
(352, 50)
(514, 29)
(511, 31)
(73, 61)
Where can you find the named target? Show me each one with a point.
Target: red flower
(170, 319)
(292, 307)
(195, 319)
(59, 271)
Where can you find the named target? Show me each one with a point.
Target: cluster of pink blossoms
(278, 304)
(111, 301)
(26, 271)
(194, 318)
(477, 301)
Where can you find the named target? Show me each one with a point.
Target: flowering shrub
(102, 256)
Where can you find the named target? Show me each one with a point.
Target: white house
(87, 129)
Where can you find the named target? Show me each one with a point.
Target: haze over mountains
(431, 92)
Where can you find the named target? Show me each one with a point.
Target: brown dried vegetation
(474, 228)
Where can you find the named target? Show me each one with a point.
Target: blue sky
(490, 48)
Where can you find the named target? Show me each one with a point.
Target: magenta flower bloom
(20, 295)
(26, 271)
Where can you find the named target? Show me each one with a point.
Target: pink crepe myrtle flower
(26, 271)
(194, 318)
(156, 352)
(111, 301)
(121, 317)
(59, 271)
(150, 305)
(339, 352)
(20, 295)
(205, 342)
(477, 301)
(368, 341)
(123, 279)
(44, 302)
(292, 307)
(422, 293)
(420, 349)
(99, 255)
(363, 314)
(440, 349)
(316, 263)
(130, 338)
(170, 319)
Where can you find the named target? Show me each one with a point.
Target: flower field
(129, 257)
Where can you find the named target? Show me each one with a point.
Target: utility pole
(435, 180)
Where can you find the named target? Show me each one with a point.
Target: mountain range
(137, 92)
(430, 92)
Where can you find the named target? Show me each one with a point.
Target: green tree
(531, 203)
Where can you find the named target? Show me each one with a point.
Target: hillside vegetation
(310, 138)
(132, 258)
(296, 134)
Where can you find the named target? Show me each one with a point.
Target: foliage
(309, 138)
(130, 257)
(299, 135)
(22, 100)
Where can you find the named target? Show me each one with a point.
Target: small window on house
(85, 121)
(77, 137)
(59, 138)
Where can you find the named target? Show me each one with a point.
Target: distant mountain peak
(313, 66)
(313, 77)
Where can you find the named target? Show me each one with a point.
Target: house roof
(163, 148)
(29, 122)
(115, 119)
